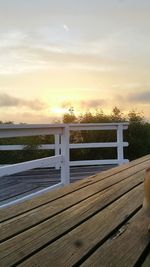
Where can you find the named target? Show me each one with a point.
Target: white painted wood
(16, 130)
(120, 152)
(90, 127)
(65, 170)
(97, 126)
(63, 130)
(20, 147)
(11, 147)
(57, 149)
(28, 165)
(95, 145)
(32, 126)
(96, 162)
(57, 145)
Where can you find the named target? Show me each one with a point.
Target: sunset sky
(83, 53)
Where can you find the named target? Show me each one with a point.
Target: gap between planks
(32, 218)
(41, 235)
(79, 241)
(20, 208)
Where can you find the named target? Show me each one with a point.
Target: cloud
(23, 51)
(94, 103)
(134, 98)
(12, 39)
(143, 97)
(61, 57)
(85, 104)
(11, 101)
(27, 117)
(66, 28)
(66, 104)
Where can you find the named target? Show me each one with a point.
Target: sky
(73, 53)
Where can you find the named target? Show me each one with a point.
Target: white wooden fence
(62, 146)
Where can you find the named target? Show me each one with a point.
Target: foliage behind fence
(137, 135)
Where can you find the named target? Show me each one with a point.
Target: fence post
(65, 169)
(120, 153)
(57, 149)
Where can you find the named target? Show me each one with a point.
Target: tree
(117, 115)
(137, 135)
(69, 117)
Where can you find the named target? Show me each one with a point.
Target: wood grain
(125, 247)
(50, 229)
(28, 205)
(69, 249)
(94, 222)
(117, 185)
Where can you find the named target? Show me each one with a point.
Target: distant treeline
(137, 135)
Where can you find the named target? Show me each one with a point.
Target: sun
(59, 111)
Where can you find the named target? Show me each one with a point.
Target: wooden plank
(42, 180)
(32, 218)
(22, 222)
(125, 247)
(41, 177)
(70, 248)
(47, 231)
(7, 182)
(72, 170)
(15, 190)
(129, 168)
(22, 194)
(37, 179)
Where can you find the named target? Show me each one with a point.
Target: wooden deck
(15, 186)
(98, 221)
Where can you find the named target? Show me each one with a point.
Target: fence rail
(62, 146)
